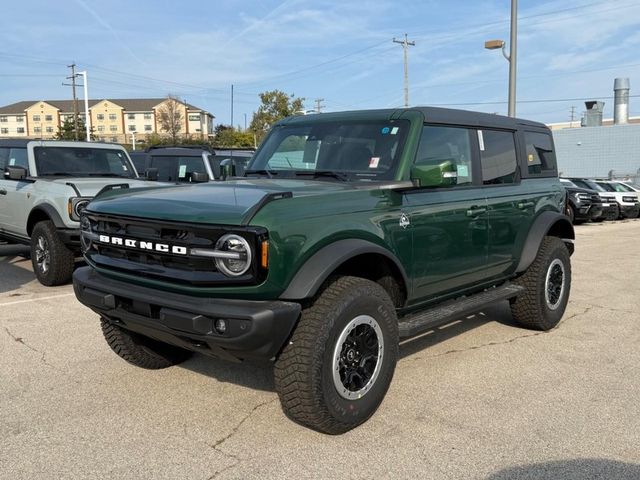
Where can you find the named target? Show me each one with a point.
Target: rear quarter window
(540, 155)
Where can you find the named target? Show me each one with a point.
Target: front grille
(595, 199)
(181, 268)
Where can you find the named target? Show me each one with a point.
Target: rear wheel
(570, 212)
(335, 371)
(141, 351)
(52, 261)
(547, 284)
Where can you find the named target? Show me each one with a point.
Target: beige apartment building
(112, 120)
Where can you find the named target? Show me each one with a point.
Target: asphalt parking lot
(479, 398)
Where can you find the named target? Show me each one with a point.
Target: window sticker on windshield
(530, 157)
(481, 140)
(183, 171)
(463, 171)
(373, 163)
(385, 130)
(394, 130)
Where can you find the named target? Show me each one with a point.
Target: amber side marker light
(264, 258)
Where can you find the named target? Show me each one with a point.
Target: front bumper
(70, 237)
(256, 330)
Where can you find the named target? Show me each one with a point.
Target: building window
(194, 118)
(4, 119)
(132, 128)
(100, 116)
(48, 118)
(49, 129)
(37, 129)
(114, 139)
(113, 128)
(19, 119)
(148, 128)
(101, 128)
(4, 130)
(147, 116)
(112, 116)
(131, 116)
(36, 118)
(20, 129)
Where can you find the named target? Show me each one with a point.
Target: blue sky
(341, 51)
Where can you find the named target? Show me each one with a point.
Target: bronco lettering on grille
(142, 245)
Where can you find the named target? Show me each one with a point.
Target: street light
(87, 117)
(511, 56)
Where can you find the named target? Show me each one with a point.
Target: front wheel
(547, 284)
(338, 365)
(52, 261)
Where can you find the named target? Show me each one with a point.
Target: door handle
(475, 210)
(3, 191)
(525, 205)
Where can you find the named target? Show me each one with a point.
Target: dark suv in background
(189, 163)
(610, 207)
(583, 204)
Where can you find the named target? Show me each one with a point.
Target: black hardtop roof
(182, 151)
(14, 142)
(431, 115)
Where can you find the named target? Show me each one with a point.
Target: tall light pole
(405, 46)
(87, 117)
(511, 57)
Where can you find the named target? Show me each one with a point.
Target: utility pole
(319, 105)
(245, 122)
(573, 116)
(232, 105)
(513, 44)
(75, 99)
(405, 46)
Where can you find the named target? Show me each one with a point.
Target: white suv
(626, 197)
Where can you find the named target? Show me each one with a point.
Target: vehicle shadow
(12, 275)
(255, 377)
(578, 469)
(499, 312)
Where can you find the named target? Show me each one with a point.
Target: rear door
(448, 225)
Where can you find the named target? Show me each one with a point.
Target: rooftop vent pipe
(621, 101)
(593, 115)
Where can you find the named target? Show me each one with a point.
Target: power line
(548, 100)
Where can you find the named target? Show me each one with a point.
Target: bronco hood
(88, 187)
(229, 203)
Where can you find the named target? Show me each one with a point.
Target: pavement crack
(484, 345)
(218, 443)
(21, 341)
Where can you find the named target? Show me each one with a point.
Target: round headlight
(80, 206)
(233, 265)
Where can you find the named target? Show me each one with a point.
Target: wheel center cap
(351, 355)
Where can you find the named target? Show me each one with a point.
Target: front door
(13, 193)
(449, 225)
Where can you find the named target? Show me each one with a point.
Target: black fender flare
(553, 223)
(50, 211)
(321, 264)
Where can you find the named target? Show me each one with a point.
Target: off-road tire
(141, 351)
(304, 370)
(531, 309)
(60, 259)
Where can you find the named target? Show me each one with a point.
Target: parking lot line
(36, 299)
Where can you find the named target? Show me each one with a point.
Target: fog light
(220, 326)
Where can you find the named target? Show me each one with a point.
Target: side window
(497, 157)
(541, 159)
(189, 165)
(439, 145)
(4, 158)
(13, 157)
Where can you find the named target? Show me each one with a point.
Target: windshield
(82, 162)
(343, 150)
(606, 186)
(621, 187)
(568, 182)
(588, 184)
(178, 168)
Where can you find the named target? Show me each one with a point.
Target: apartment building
(112, 120)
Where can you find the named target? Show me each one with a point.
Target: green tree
(275, 105)
(66, 131)
(171, 118)
(227, 136)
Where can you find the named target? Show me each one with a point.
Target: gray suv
(44, 186)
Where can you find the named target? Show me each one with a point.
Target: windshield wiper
(324, 173)
(57, 174)
(268, 173)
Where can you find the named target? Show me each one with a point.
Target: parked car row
(598, 200)
(190, 163)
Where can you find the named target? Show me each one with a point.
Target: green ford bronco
(347, 233)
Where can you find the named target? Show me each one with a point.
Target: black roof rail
(191, 146)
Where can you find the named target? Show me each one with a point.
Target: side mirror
(227, 168)
(151, 174)
(16, 173)
(442, 175)
(199, 177)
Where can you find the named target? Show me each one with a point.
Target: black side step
(420, 322)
